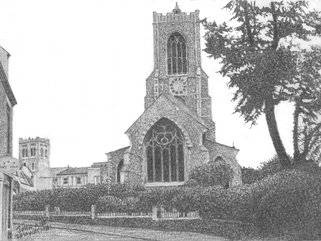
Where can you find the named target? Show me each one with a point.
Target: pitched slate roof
(184, 108)
(120, 150)
(181, 106)
(73, 171)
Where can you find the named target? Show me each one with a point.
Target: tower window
(46, 153)
(164, 146)
(176, 55)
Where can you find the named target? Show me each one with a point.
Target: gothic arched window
(176, 54)
(119, 167)
(164, 147)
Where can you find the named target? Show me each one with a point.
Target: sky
(78, 71)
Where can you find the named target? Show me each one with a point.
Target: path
(78, 232)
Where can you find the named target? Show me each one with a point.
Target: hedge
(287, 202)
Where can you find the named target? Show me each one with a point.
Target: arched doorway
(164, 153)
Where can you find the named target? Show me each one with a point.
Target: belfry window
(164, 147)
(176, 55)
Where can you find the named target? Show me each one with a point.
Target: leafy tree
(258, 54)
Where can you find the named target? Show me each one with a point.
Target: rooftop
(74, 171)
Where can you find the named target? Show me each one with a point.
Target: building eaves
(6, 86)
(73, 171)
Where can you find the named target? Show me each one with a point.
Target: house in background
(6, 192)
(7, 102)
(75, 177)
(7, 162)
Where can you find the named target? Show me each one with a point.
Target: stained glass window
(164, 146)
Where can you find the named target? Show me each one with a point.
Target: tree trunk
(296, 151)
(274, 133)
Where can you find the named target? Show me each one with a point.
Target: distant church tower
(176, 132)
(35, 154)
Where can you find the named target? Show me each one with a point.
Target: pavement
(79, 232)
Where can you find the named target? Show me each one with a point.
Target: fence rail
(156, 214)
(124, 215)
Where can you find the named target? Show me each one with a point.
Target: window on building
(78, 180)
(8, 129)
(97, 179)
(176, 54)
(164, 147)
(65, 181)
(55, 180)
(46, 153)
(41, 152)
(27, 154)
(119, 167)
(32, 166)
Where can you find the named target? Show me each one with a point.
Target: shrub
(109, 204)
(250, 175)
(270, 167)
(70, 199)
(211, 174)
(293, 206)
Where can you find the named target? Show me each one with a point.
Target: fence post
(156, 213)
(47, 211)
(93, 212)
(57, 210)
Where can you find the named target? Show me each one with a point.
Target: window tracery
(164, 146)
(176, 55)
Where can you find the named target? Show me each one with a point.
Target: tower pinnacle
(176, 10)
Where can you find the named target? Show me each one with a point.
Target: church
(176, 132)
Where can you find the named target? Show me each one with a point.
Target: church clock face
(178, 85)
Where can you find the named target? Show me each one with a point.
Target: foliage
(282, 202)
(69, 199)
(293, 206)
(270, 167)
(250, 175)
(211, 174)
(109, 204)
(258, 53)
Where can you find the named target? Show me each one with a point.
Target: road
(77, 232)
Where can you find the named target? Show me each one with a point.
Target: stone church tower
(176, 132)
(35, 154)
